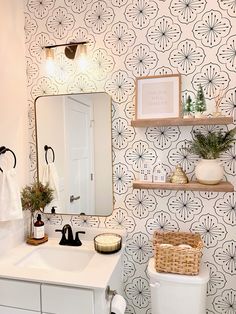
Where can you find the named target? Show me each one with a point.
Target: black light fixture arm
(66, 45)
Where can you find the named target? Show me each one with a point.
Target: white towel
(50, 176)
(10, 200)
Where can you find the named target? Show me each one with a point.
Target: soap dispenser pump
(39, 228)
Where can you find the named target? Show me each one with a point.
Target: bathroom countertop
(96, 274)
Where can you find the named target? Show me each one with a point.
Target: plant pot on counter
(209, 171)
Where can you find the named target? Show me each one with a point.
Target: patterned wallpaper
(139, 38)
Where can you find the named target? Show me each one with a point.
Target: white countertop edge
(96, 276)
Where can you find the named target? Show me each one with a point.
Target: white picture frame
(158, 97)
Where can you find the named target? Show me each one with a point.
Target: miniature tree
(188, 106)
(200, 103)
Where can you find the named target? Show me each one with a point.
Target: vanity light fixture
(73, 51)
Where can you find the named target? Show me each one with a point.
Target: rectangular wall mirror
(74, 152)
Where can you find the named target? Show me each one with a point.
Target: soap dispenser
(39, 228)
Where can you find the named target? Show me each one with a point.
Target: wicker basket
(175, 259)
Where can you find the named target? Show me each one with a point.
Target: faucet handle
(63, 240)
(77, 241)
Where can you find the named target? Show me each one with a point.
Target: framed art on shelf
(158, 97)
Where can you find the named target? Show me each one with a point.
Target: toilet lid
(201, 278)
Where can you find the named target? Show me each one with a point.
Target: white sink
(72, 259)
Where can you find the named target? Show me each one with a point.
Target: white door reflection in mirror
(78, 128)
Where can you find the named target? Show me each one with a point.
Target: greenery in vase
(36, 196)
(211, 145)
(200, 103)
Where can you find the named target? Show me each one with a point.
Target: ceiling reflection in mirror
(74, 152)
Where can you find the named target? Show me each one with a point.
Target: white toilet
(177, 294)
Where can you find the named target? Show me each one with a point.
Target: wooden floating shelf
(181, 121)
(223, 186)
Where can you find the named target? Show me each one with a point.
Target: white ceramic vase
(209, 171)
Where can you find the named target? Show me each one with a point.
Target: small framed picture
(158, 97)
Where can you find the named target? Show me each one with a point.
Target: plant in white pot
(209, 146)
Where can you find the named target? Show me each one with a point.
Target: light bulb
(81, 57)
(49, 63)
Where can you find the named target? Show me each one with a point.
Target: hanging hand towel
(50, 176)
(10, 200)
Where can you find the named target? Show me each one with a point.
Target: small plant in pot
(209, 146)
(35, 197)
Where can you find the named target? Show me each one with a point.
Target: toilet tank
(178, 294)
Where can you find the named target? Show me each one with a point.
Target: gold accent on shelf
(179, 176)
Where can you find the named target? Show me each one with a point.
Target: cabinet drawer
(12, 310)
(20, 294)
(61, 300)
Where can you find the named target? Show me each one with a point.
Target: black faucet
(70, 239)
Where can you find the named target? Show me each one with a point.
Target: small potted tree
(209, 147)
(35, 197)
(200, 103)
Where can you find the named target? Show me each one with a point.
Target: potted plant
(35, 197)
(209, 146)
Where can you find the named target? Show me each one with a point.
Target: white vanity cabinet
(61, 300)
(19, 297)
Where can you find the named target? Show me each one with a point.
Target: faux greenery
(211, 145)
(36, 196)
(200, 103)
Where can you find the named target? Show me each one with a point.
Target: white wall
(13, 102)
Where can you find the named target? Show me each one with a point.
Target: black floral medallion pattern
(60, 23)
(119, 3)
(163, 34)
(140, 203)
(212, 28)
(119, 220)
(77, 6)
(161, 221)
(163, 71)
(210, 230)
(225, 256)
(226, 208)
(228, 160)
(229, 6)
(185, 206)
(36, 46)
(130, 110)
(30, 27)
(102, 64)
(82, 34)
(138, 292)
(217, 279)
(81, 84)
(31, 71)
(128, 268)
(55, 220)
(85, 221)
(141, 60)
(139, 247)
(122, 178)
(64, 69)
(122, 133)
(187, 10)
(212, 79)
(226, 302)
(139, 153)
(32, 156)
(120, 86)
(140, 12)
(228, 104)
(45, 86)
(181, 156)
(99, 17)
(40, 8)
(187, 57)
(163, 137)
(227, 54)
(120, 38)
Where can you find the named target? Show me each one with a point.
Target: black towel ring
(3, 150)
(46, 148)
